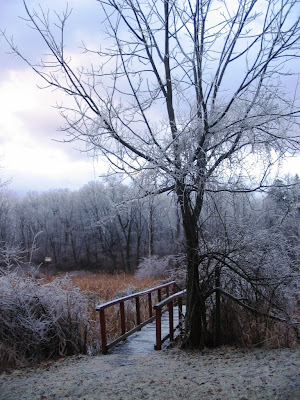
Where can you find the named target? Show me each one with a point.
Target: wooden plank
(133, 330)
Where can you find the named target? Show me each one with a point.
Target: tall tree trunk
(195, 307)
(217, 339)
(195, 323)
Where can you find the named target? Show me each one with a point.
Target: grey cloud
(43, 127)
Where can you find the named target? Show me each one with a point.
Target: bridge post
(103, 331)
(122, 312)
(138, 312)
(179, 301)
(174, 287)
(159, 295)
(150, 304)
(158, 329)
(171, 320)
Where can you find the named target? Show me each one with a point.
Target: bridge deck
(143, 341)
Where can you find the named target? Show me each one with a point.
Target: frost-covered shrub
(10, 257)
(39, 322)
(259, 283)
(168, 267)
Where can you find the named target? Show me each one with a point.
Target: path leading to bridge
(224, 373)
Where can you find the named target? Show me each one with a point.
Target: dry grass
(102, 287)
(107, 285)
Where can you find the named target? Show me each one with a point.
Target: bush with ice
(171, 267)
(40, 321)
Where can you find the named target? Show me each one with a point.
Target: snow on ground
(224, 373)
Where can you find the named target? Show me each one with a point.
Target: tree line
(108, 227)
(96, 227)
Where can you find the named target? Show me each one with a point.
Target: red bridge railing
(161, 291)
(169, 302)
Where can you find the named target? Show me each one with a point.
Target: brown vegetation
(108, 285)
(103, 287)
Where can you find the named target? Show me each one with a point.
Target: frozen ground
(225, 373)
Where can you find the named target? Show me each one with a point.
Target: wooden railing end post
(171, 320)
(103, 331)
(150, 305)
(158, 329)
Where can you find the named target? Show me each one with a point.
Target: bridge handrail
(124, 334)
(169, 301)
(134, 295)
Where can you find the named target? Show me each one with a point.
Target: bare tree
(194, 91)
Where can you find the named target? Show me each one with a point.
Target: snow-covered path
(143, 341)
(225, 373)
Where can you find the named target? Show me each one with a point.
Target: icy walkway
(143, 341)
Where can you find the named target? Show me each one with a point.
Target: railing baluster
(150, 305)
(179, 302)
(167, 291)
(174, 287)
(103, 331)
(158, 329)
(122, 311)
(138, 311)
(169, 302)
(171, 320)
(159, 295)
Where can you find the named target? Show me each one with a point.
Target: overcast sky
(28, 123)
(29, 154)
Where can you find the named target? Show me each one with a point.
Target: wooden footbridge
(159, 310)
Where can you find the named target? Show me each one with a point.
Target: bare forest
(100, 228)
